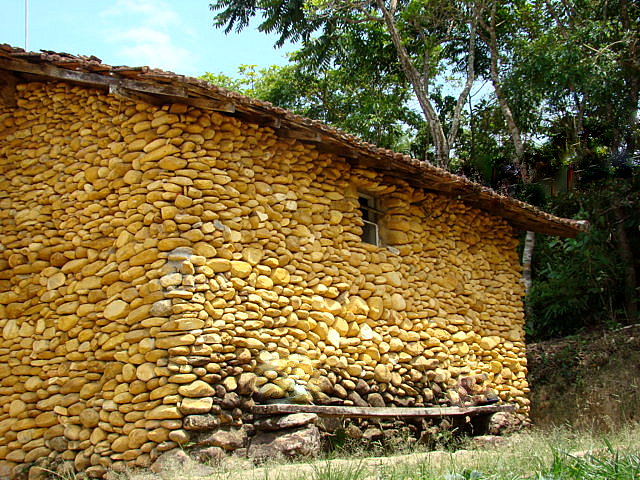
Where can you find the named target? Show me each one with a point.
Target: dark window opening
(370, 216)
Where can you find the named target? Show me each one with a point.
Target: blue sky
(174, 35)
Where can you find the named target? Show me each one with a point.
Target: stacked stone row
(162, 262)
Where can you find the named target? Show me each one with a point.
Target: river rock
(299, 442)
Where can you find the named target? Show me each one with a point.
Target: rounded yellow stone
(240, 269)
(280, 276)
(381, 373)
(116, 309)
(264, 282)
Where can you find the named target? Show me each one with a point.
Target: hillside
(588, 380)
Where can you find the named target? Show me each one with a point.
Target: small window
(371, 215)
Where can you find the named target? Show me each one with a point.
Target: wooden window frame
(371, 214)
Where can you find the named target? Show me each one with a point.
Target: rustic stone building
(171, 249)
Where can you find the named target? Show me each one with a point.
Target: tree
(371, 105)
(426, 35)
(569, 65)
(489, 33)
(576, 65)
(552, 63)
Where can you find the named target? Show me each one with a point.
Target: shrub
(583, 282)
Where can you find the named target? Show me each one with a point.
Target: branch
(453, 132)
(392, 7)
(514, 131)
(424, 77)
(553, 12)
(601, 51)
(435, 126)
(364, 19)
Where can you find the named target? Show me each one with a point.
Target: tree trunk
(516, 137)
(626, 253)
(442, 142)
(527, 256)
(471, 56)
(580, 140)
(435, 126)
(514, 131)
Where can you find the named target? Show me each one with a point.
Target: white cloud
(152, 13)
(146, 32)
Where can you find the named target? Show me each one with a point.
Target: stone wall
(157, 263)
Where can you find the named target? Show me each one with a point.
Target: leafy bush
(583, 282)
(575, 287)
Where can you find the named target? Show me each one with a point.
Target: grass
(550, 454)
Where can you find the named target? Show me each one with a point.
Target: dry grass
(587, 381)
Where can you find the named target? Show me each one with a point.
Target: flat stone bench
(379, 412)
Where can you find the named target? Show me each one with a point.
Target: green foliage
(285, 17)
(574, 290)
(466, 474)
(350, 59)
(225, 81)
(251, 81)
(373, 106)
(327, 471)
(570, 72)
(579, 283)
